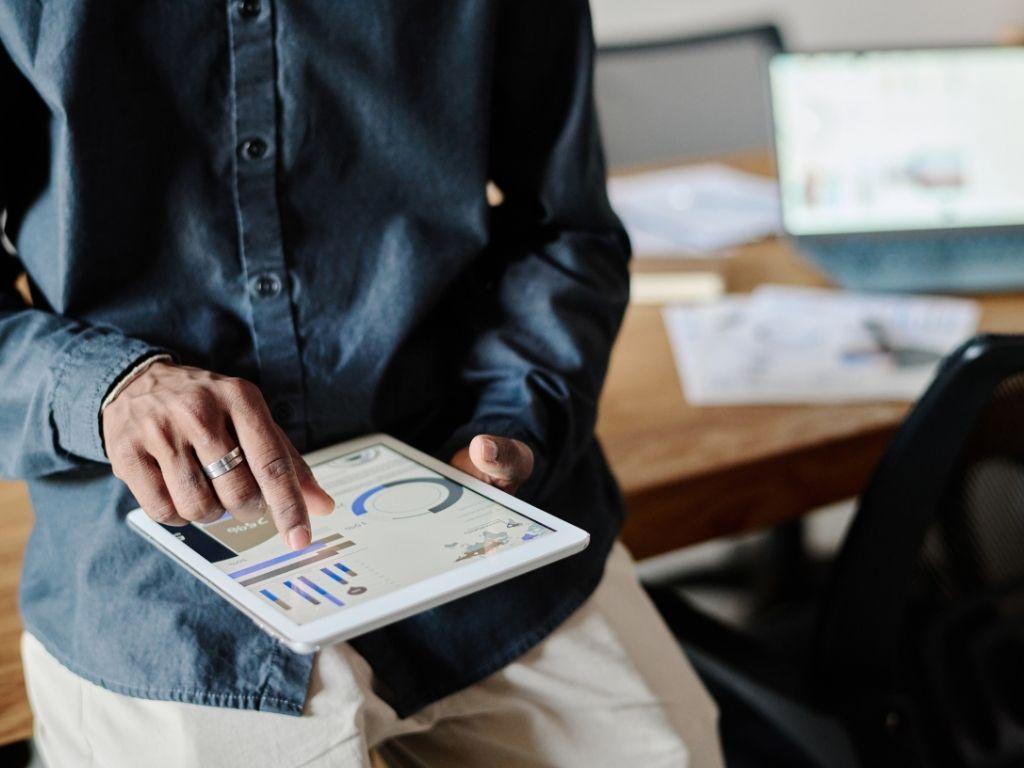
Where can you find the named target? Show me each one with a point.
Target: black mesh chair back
(666, 100)
(920, 648)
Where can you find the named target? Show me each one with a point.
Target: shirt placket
(256, 129)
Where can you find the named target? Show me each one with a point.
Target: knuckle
(190, 512)
(290, 513)
(240, 501)
(506, 452)
(165, 514)
(193, 483)
(126, 453)
(199, 510)
(204, 438)
(200, 411)
(237, 491)
(194, 398)
(158, 430)
(245, 485)
(241, 392)
(197, 404)
(276, 468)
(209, 512)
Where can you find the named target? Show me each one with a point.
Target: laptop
(903, 170)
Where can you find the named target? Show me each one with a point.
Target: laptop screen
(900, 140)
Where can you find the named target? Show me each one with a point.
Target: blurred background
(824, 473)
(810, 24)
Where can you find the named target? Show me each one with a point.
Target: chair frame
(770, 32)
(853, 654)
(854, 665)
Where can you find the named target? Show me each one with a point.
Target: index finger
(270, 462)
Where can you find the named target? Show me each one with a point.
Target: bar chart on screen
(309, 582)
(309, 588)
(396, 523)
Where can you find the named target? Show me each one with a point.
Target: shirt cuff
(86, 372)
(121, 384)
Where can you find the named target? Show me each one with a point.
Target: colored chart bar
(333, 575)
(277, 600)
(301, 593)
(343, 569)
(323, 554)
(284, 558)
(320, 591)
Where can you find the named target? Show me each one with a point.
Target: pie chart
(409, 497)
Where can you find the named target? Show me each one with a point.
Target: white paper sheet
(675, 287)
(695, 210)
(785, 344)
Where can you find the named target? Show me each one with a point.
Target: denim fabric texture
(293, 191)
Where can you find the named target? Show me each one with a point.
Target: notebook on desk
(903, 170)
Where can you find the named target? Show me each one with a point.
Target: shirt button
(266, 286)
(249, 9)
(283, 412)
(254, 149)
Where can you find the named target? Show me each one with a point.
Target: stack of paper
(787, 344)
(694, 210)
(675, 287)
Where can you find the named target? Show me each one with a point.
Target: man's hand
(172, 421)
(501, 461)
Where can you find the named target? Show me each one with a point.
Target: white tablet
(409, 533)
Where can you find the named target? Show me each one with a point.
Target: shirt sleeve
(558, 254)
(54, 371)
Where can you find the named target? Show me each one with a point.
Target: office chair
(663, 100)
(916, 656)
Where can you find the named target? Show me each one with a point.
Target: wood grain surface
(692, 473)
(15, 523)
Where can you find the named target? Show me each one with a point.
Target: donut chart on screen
(451, 492)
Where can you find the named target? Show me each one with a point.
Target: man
(263, 224)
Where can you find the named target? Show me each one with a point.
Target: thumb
(508, 462)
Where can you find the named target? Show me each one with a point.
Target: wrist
(122, 383)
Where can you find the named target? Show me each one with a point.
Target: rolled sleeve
(86, 371)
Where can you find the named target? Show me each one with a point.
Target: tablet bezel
(564, 540)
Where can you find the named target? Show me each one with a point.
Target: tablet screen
(397, 522)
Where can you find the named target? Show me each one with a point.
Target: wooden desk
(695, 473)
(15, 522)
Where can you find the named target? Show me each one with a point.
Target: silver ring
(225, 463)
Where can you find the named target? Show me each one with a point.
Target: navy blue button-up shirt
(293, 191)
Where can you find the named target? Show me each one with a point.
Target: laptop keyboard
(983, 262)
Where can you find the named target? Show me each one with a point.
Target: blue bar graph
(343, 569)
(277, 600)
(320, 591)
(333, 575)
(301, 593)
(286, 557)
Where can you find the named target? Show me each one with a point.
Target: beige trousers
(608, 688)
